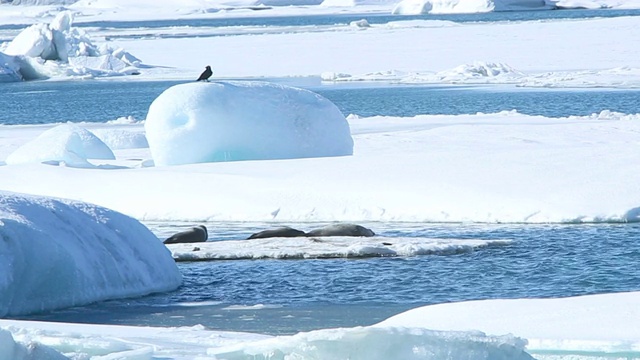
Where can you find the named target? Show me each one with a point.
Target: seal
(284, 231)
(342, 230)
(194, 235)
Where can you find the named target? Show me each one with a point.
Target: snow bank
(583, 327)
(416, 7)
(58, 253)
(68, 144)
(326, 248)
(251, 120)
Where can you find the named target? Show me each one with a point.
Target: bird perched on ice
(206, 74)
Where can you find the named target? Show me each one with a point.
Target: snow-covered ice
(230, 121)
(59, 253)
(326, 247)
(433, 162)
(594, 326)
(537, 51)
(199, 343)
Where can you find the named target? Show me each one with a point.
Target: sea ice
(327, 248)
(380, 343)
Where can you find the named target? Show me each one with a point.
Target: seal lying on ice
(329, 230)
(195, 234)
(342, 230)
(284, 231)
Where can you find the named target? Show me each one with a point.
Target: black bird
(206, 74)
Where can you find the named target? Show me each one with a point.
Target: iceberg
(57, 253)
(243, 120)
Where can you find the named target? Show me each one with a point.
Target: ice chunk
(60, 253)
(243, 120)
(64, 143)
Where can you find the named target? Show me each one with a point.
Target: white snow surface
(429, 166)
(58, 253)
(593, 326)
(230, 121)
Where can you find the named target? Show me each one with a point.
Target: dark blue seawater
(300, 295)
(40, 102)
